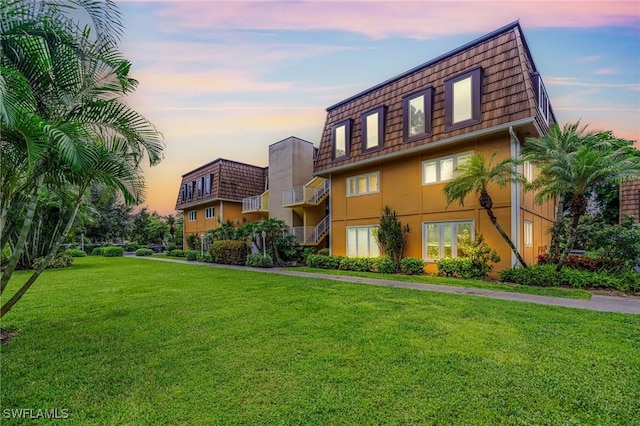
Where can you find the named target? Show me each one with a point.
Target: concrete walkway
(627, 305)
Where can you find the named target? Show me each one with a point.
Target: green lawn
(570, 293)
(132, 341)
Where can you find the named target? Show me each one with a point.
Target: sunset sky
(227, 79)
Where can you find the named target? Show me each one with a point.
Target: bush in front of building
(205, 258)
(176, 253)
(383, 265)
(259, 261)
(358, 264)
(60, 260)
(192, 255)
(412, 266)
(323, 261)
(229, 252)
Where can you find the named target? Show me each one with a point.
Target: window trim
(382, 112)
(356, 178)
(370, 237)
(207, 185)
(527, 237)
(195, 215)
(542, 97)
(206, 212)
(454, 157)
(428, 114)
(454, 242)
(476, 75)
(347, 141)
(528, 171)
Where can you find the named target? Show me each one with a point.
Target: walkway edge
(597, 303)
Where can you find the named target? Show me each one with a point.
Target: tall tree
(575, 167)
(477, 176)
(63, 120)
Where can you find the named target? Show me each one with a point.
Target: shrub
(324, 252)
(459, 267)
(547, 276)
(6, 254)
(75, 252)
(177, 253)
(60, 260)
(97, 251)
(192, 255)
(324, 262)
(479, 255)
(574, 261)
(259, 261)
(229, 252)
(384, 265)
(359, 264)
(132, 247)
(412, 266)
(391, 235)
(113, 251)
(205, 257)
(144, 252)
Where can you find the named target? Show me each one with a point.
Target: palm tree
(61, 111)
(170, 220)
(476, 175)
(555, 147)
(574, 168)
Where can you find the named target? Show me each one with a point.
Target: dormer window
(373, 129)
(341, 139)
(416, 114)
(463, 99)
(541, 96)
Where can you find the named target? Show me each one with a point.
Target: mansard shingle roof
(508, 95)
(231, 180)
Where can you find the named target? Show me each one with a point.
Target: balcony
(256, 204)
(311, 235)
(311, 194)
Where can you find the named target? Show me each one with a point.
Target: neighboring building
(630, 199)
(213, 193)
(399, 142)
(228, 190)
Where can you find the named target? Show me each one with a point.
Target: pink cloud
(408, 19)
(607, 71)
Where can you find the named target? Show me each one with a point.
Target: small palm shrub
(60, 260)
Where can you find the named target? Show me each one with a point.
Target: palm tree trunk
(22, 238)
(52, 250)
(505, 236)
(554, 249)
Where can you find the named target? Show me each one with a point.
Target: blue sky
(227, 79)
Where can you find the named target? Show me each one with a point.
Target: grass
(134, 341)
(458, 282)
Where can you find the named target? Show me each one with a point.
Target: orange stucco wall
(228, 209)
(401, 188)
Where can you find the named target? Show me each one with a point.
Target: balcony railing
(305, 194)
(252, 204)
(310, 234)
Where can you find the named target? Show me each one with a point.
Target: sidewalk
(625, 305)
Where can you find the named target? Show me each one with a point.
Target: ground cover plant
(136, 341)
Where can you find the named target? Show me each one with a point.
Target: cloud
(571, 81)
(384, 19)
(607, 71)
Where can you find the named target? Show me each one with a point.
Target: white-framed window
(441, 238)
(209, 212)
(528, 233)
(528, 171)
(543, 98)
(442, 169)
(192, 215)
(361, 242)
(363, 184)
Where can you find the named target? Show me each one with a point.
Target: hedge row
(108, 251)
(60, 260)
(381, 265)
(229, 252)
(547, 276)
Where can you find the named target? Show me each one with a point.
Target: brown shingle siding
(231, 180)
(630, 199)
(506, 96)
